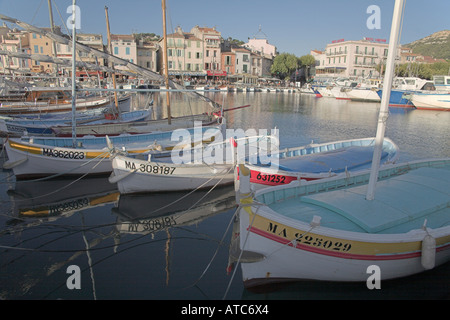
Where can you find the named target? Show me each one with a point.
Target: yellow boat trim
(335, 246)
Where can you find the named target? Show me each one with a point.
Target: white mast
(384, 108)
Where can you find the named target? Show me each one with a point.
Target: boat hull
(318, 161)
(397, 98)
(365, 95)
(41, 157)
(140, 176)
(294, 247)
(438, 102)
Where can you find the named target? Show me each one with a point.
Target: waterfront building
(229, 62)
(147, 55)
(184, 54)
(211, 40)
(354, 58)
(13, 41)
(39, 44)
(261, 45)
(124, 47)
(243, 65)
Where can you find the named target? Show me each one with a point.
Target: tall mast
(74, 135)
(113, 75)
(384, 108)
(52, 27)
(166, 66)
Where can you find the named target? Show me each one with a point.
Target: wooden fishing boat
(16, 127)
(327, 230)
(30, 157)
(44, 100)
(318, 161)
(146, 126)
(336, 229)
(134, 175)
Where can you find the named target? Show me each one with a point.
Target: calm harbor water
(176, 245)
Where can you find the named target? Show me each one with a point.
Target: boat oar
(219, 113)
(235, 108)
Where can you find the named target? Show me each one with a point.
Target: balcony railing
(336, 53)
(371, 54)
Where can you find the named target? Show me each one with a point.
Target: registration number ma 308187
(150, 168)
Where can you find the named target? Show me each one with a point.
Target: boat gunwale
(257, 206)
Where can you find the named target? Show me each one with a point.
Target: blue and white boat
(403, 88)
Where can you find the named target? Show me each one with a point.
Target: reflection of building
(352, 58)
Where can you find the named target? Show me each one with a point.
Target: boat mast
(113, 74)
(166, 66)
(52, 27)
(384, 108)
(74, 135)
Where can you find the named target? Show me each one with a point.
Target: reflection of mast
(166, 66)
(167, 257)
(88, 253)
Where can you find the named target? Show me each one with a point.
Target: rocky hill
(436, 45)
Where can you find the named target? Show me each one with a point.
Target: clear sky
(293, 26)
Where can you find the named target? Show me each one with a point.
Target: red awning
(216, 73)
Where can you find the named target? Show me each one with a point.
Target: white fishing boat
(340, 92)
(30, 157)
(325, 91)
(318, 161)
(394, 220)
(327, 230)
(442, 83)
(363, 94)
(431, 101)
(134, 175)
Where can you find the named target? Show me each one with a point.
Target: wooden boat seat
(415, 197)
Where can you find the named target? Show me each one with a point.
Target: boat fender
(315, 222)
(12, 164)
(428, 259)
(428, 252)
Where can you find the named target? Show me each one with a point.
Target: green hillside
(436, 45)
